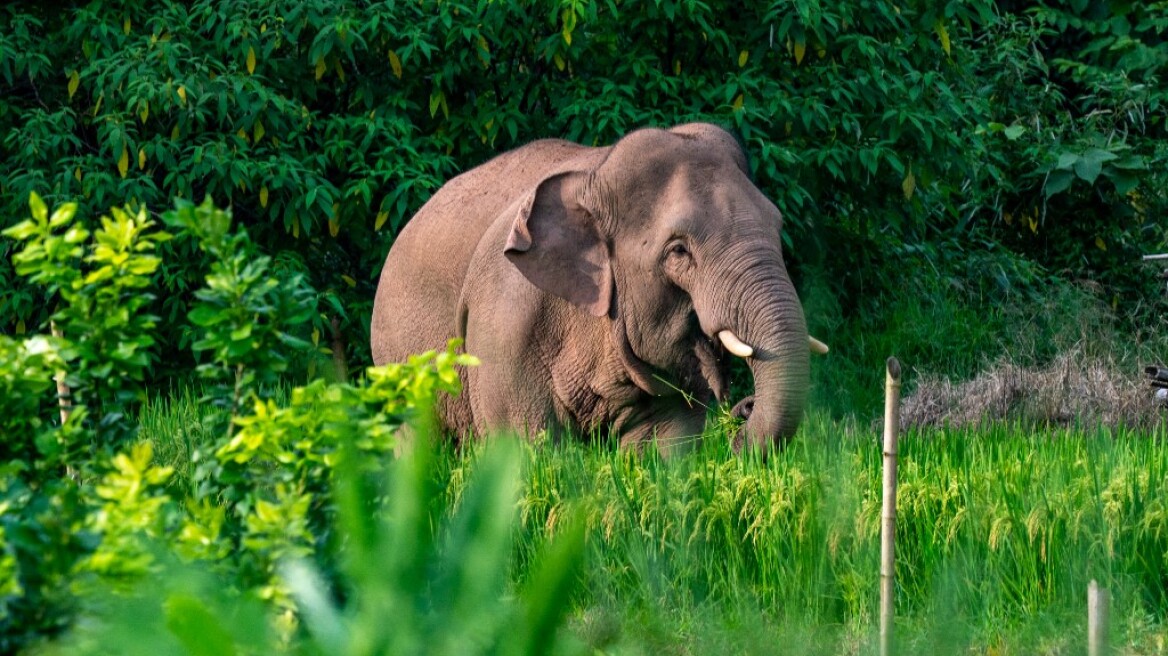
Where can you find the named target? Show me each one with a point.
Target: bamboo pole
(1098, 602)
(63, 391)
(64, 397)
(888, 511)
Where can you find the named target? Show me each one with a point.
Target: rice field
(999, 530)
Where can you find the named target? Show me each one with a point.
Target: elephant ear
(556, 244)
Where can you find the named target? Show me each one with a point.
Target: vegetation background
(978, 152)
(959, 180)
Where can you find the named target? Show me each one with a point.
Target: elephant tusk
(817, 346)
(735, 345)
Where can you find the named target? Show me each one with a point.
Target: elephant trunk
(780, 393)
(766, 316)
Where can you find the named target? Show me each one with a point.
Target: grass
(177, 425)
(1000, 528)
(1000, 525)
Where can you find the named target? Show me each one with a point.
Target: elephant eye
(678, 248)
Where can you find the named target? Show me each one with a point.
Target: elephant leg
(503, 398)
(455, 415)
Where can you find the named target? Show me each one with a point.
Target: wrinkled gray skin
(592, 283)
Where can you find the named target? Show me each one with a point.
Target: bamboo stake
(64, 397)
(888, 511)
(63, 391)
(1098, 602)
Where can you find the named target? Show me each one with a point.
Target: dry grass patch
(1074, 388)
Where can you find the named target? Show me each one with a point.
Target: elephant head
(670, 241)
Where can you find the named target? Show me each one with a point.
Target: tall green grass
(999, 530)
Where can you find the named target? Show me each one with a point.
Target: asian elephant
(603, 288)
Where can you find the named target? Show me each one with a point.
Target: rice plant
(999, 530)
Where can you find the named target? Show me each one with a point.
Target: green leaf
(315, 600)
(1057, 182)
(63, 215)
(99, 275)
(143, 266)
(75, 235)
(37, 207)
(547, 593)
(1013, 132)
(1131, 162)
(1124, 182)
(197, 629)
(1066, 161)
(1088, 169)
(1098, 154)
(21, 231)
(206, 316)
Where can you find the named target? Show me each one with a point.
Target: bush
(407, 588)
(286, 499)
(66, 485)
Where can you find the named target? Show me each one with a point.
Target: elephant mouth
(703, 377)
(713, 365)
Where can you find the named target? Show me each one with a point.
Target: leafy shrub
(248, 318)
(53, 473)
(83, 507)
(101, 290)
(1083, 127)
(407, 588)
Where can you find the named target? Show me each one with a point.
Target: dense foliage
(913, 136)
(83, 502)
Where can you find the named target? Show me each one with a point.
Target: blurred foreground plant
(404, 587)
(83, 507)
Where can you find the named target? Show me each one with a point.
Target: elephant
(603, 288)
